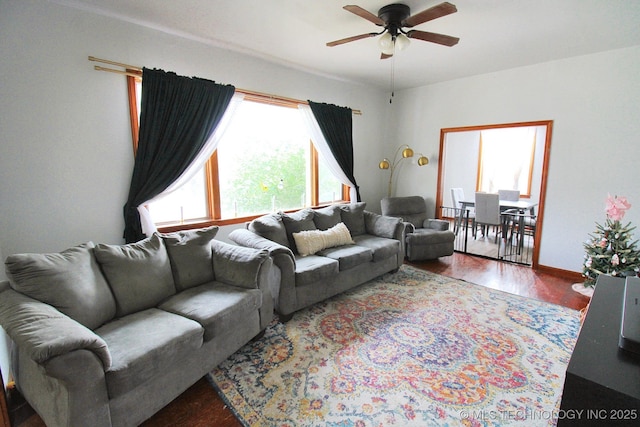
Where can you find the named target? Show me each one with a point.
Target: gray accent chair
(425, 238)
(107, 335)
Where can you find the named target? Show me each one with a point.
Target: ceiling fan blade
(362, 13)
(434, 12)
(351, 39)
(385, 56)
(433, 37)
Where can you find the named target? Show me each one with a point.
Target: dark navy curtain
(177, 116)
(336, 124)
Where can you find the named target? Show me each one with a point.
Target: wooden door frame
(543, 178)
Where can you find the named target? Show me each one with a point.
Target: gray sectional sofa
(106, 335)
(374, 245)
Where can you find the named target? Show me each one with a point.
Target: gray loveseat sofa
(372, 245)
(106, 335)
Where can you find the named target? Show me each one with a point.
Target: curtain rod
(134, 71)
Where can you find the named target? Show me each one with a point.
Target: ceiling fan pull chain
(392, 84)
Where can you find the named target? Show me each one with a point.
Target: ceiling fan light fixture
(388, 51)
(402, 42)
(386, 42)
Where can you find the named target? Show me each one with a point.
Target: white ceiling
(494, 34)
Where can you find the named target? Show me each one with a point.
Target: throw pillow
(139, 273)
(312, 241)
(326, 218)
(297, 222)
(353, 217)
(270, 227)
(190, 256)
(70, 281)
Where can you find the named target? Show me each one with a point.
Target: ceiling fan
(394, 18)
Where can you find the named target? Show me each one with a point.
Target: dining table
(521, 206)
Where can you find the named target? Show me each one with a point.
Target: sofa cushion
(217, 307)
(312, 268)
(348, 256)
(326, 218)
(146, 344)
(236, 265)
(311, 241)
(353, 217)
(70, 281)
(270, 227)
(139, 273)
(296, 222)
(190, 256)
(382, 247)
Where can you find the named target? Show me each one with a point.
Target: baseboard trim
(565, 274)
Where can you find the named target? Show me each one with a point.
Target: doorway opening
(517, 159)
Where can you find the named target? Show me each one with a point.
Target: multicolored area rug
(407, 349)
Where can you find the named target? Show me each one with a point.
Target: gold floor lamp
(406, 152)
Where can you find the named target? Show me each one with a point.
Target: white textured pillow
(311, 241)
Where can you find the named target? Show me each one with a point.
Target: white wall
(65, 144)
(593, 101)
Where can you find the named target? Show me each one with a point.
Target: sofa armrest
(237, 265)
(284, 266)
(250, 239)
(42, 332)
(436, 224)
(248, 268)
(384, 226)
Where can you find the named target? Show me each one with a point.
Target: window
(506, 159)
(265, 162)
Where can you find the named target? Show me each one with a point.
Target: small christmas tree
(611, 249)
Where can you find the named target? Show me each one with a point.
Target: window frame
(212, 178)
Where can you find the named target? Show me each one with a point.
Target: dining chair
(519, 225)
(488, 213)
(510, 195)
(457, 196)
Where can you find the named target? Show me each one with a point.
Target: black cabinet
(602, 384)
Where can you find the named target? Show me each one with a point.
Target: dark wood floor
(201, 406)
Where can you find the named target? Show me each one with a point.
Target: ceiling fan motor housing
(394, 15)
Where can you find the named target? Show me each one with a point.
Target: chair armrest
(42, 332)
(384, 226)
(437, 224)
